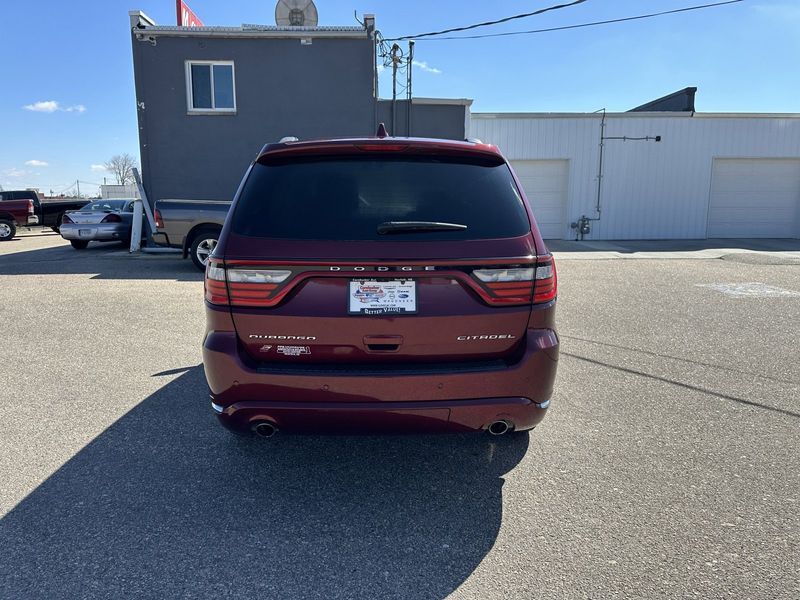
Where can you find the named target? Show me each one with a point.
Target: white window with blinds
(210, 87)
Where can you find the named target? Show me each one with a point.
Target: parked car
(13, 214)
(101, 221)
(49, 212)
(191, 225)
(380, 284)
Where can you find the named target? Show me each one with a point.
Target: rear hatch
(378, 257)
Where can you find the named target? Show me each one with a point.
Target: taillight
(519, 285)
(112, 218)
(507, 286)
(159, 221)
(215, 285)
(30, 207)
(65, 219)
(243, 287)
(545, 288)
(504, 275)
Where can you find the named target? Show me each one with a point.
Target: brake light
(507, 286)
(545, 287)
(112, 218)
(65, 219)
(30, 207)
(383, 147)
(242, 287)
(519, 285)
(159, 221)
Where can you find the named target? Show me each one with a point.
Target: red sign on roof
(186, 16)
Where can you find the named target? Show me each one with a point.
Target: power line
(487, 23)
(592, 24)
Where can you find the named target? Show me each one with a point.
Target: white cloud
(14, 172)
(97, 168)
(46, 106)
(36, 163)
(421, 64)
(51, 106)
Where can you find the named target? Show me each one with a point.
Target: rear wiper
(415, 226)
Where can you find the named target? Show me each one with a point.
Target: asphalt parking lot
(668, 466)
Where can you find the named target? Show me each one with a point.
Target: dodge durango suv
(380, 285)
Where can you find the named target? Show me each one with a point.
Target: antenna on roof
(296, 13)
(381, 131)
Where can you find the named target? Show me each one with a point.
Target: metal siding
(650, 190)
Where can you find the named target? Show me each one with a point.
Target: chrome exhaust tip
(264, 429)
(499, 428)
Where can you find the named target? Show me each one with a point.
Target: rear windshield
(105, 205)
(347, 198)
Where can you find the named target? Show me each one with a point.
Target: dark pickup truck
(49, 212)
(13, 214)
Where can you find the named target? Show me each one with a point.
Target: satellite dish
(296, 13)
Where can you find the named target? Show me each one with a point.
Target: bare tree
(121, 167)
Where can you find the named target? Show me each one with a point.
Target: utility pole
(408, 84)
(395, 62)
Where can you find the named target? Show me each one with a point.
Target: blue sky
(77, 55)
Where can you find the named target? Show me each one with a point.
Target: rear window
(347, 198)
(105, 205)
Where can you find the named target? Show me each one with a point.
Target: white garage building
(710, 175)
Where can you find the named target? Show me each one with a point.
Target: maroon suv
(380, 285)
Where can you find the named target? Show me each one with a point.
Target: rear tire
(203, 244)
(7, 230)
(79, 244)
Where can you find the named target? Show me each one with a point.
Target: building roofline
(634, 115)
(143, 27)
(689, 92)
(139, 19)
(446, 101)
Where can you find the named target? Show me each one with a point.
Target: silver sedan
(100, 220)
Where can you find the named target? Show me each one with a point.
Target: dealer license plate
(370, 297)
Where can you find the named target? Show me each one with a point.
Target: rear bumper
(33, 220)
(104, 232)
(353, 402)
(383, 417)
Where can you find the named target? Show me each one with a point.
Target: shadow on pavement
(166, 504)
(103, 260)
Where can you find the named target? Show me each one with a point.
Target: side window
(210, 86)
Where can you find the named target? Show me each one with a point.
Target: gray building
(208, 98)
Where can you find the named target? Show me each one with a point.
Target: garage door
(545, 185)
(754, 198)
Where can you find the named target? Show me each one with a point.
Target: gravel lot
(667, 468)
